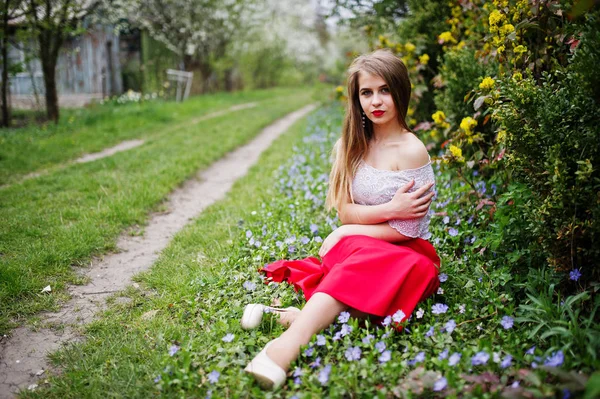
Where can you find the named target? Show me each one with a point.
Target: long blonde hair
(353, 144)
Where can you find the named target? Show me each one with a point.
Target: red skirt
(367, 274)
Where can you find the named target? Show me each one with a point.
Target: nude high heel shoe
(266, 372)
(253, 314)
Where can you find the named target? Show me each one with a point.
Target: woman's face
(376, 99)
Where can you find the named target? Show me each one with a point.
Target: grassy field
(88, 130)
(179, 336)
(62, 219)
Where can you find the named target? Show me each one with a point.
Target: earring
(363, 118)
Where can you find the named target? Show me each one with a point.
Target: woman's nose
(376, 99)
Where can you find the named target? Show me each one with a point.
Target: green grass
(88, 130)
(198, 289)
(124, 353)
(61, 220)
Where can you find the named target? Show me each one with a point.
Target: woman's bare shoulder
(412, 154)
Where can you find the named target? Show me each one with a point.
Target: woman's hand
(332, 239)
(405, 205)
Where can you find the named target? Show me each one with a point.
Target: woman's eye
(385, 90)
(366, 93)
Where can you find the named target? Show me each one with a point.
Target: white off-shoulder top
(372, 186)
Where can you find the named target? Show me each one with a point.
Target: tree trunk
(49, 70)
(5, 82)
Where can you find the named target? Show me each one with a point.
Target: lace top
(373, 186)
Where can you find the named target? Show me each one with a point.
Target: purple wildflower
(298, 372)
(480, 358)
(446, 220)
(297, 381)
(575, 274)
(454, 359)
(555, 360)
(380, 346)
(453, 232)
(507, 322)
(440, 384)
(385, 357)
(353, 353)
(321, 340)
(443, 355)
(530, 351)
(309, 351)
(305, 240)
(249, 285)
(387, 321)
(450, 326)
(344, 317)
(429, 332)
(157, 379)
(337, 336)
(292, 249)
(443, 277)
(566, 394)
(418, 359)
(439, 308)
(213, 376)
(228, 338)
(314, 229)
(506, 362)
(248, 234)
(367, 339)
(324, 374)
(173, 350)
(398, 316)
(515, 384)
(316, 363)
(346, 329)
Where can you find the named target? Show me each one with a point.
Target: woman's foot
(253, 314)
(267, 373)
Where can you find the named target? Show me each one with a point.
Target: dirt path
(23, 354)
(129, 144)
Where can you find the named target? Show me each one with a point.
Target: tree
(11, 10)
(51, 22)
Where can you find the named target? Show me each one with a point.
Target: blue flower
(575, 274)
(353, 353)
(321, 340)
(213, 376)
(439, 308)
(292, 249)
(173, 350)
(506, 362)
(429, 332)
(309, 351)
(380, 346)
(453, 232)
(398, 316)
(530, 351)
(314, 229)
(228, 338)
(367, 339)
(297, 381)
(440, 384)
(316, 363)
(248, 234)
(387, 321)
(566, 394)
(454, 359)
(324, 374)
(450, 326)
(157, 379)
(298, 372)
(305, 240)
(344, 317)
(446, 219)
(443, 277)
(443, 355)
(480, 358)
(507, 322)
(555, 360)
(249, 285)
(346, 329)
(385, 357)
(418, 359)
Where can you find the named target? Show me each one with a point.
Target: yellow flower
(438, 117)
(434, 134)
(456, 152)
(495, 17)
(501, 49)
(424, 59)
(467, 124)
(517, 76)
(461, 44)
(412, 121)
(339, 89)
(487, 83)
(520, 49)
(409, 47)
(410, 111)
(506, 29)
(446, 37)
(501, 136)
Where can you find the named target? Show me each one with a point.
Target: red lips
(378, 113)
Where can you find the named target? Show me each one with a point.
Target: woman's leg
(318, 313)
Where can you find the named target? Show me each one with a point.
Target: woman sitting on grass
(378, 263)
